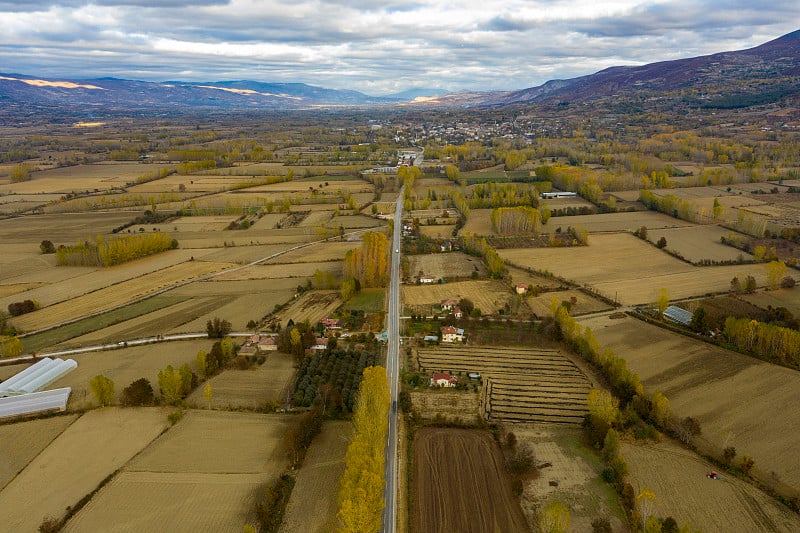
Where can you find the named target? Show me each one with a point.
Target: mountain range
(765, 74)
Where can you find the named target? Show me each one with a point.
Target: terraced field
(519, 384)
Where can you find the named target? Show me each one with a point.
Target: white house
(443, 379)
(452, 334)
(427, 279)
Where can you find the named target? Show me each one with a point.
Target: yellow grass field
(441, 231)
(248, 389)
(445, 265)
(101, 176)
(519, 275)
(74, 464)
(728, 393)
(698, 243)
(487, 295)
(540, 305)
(312, 306)
(22, 441)
(478, 222)
(622, 266)
(312, 507)
(678, 479)
(115, 295)
(280, 270)
(324, 251)
(615, 222)
(298, 186)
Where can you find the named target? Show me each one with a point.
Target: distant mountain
(19, 90)
(760, 75)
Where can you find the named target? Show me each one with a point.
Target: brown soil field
(238, 309)
(298, 186)
(92, 279)
(115, 295)
(728, 393)
(16, 288)
(312, 507)
(230, 239)
(63, 180)
(61, 229)
(459, 484)
(296, 271)
(312, 306)
(518, 275)
(698, 243)
(357, 221)
(463, 407)
(248, 389)
(446, 265)
(268, 221)
(478, 222)
(610, 222)
(622, 266)
(788, 298)
(74, 464)
(193, 184)
(318, 218)
(218, 442)
(240, 255)
(565, 203)
(576, 471)
(678, 479)
(487, 295)
(151, 501)
(441, 231)
(324, 251)
(125, 365)
(20, 442)
(540, 305)
(196, 223)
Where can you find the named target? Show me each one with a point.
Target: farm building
(457, 312)
(320, 344)
(678, 315)
(443, 379)
(452, 334)
(331, 323)
(558, 194)
(248, 349)
(268, 344)
(521, 288)
(426, 279)
(449, 305)
(430, 338)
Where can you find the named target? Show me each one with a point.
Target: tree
(788, 282)
(47, 247)
(601, 525)
(170, 384)
(140, 392)
(687, 429)
(217, 328)
(775, 271)
(554, 518)
(736, 285)
(662, 243)
(662, 301)
(102, 389)
(466, 306)
(208, 394)
(646, 501)
(611, 445)
(661, 411)
(728, 455)
(750, 285)
(746, 464)
(10, 346)
(252, 325)
(699, 321)
(201, 363)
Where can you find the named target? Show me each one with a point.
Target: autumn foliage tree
(370, 263)
(361, 489)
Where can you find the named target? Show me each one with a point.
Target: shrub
(47, 247)
(788, 282)
(140, 392)
(20, 308)
(662, 242)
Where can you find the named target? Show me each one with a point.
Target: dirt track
(460, 484)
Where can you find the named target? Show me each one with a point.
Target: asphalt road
(393, 372)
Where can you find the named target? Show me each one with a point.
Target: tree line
(115, 250)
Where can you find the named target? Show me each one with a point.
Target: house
(268, 344)
(331, 323)
(452, 334)
(443, 379)
(247, 349)
(426, 279)
(457, 312)
(521, 288)
(320, 344)
(449, 305)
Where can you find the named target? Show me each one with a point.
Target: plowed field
(460, 484)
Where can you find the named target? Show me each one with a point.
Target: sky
(375, 47)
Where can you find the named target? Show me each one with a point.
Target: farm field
(699, 378)
(450, 404)
(519, 384)
(698, 243)
(115, 295)
(321, 252)
(613, 222)
(21, 442)
(312, 306)
(479, 222)
(788, 298)
(103, 176)
(74, 464)
(519, 275)
(312, 507)
(367, 300)
(125, 365)
(576, 470)
(213, 486)
(475, 497)
(540, 305)
(633, 272)
(249, 389)
(487, 295)
(61, 229)
(238, 307)
(440, 231)
(678, 479)
(278, 271)
(446, 265)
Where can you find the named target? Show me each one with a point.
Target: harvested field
(280, 271)
(699, 243)
(463, 407)
(440, 231)
(16, 288)
(240, 255)
(312, 507)
(788, 298)
(519, 275)
(622, 266)
(125, 365)
(474, 497)
(320, 252)
(312, 306)
(583, 304)
(700, 379)
(237, 308)
(232, 443)
(519, 384)
(566, 203)
(446, 265)
(678, 479)
(61, 229)
(74, 464)
(249, 389)
(352, 222)
(149, 501)
(115, 295)
(318, 218)
(103, 176)
(487, 295)
(301, 186)
(21, 442)
(613, 222)
(478, 222)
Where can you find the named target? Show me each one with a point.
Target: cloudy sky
(376, 47)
